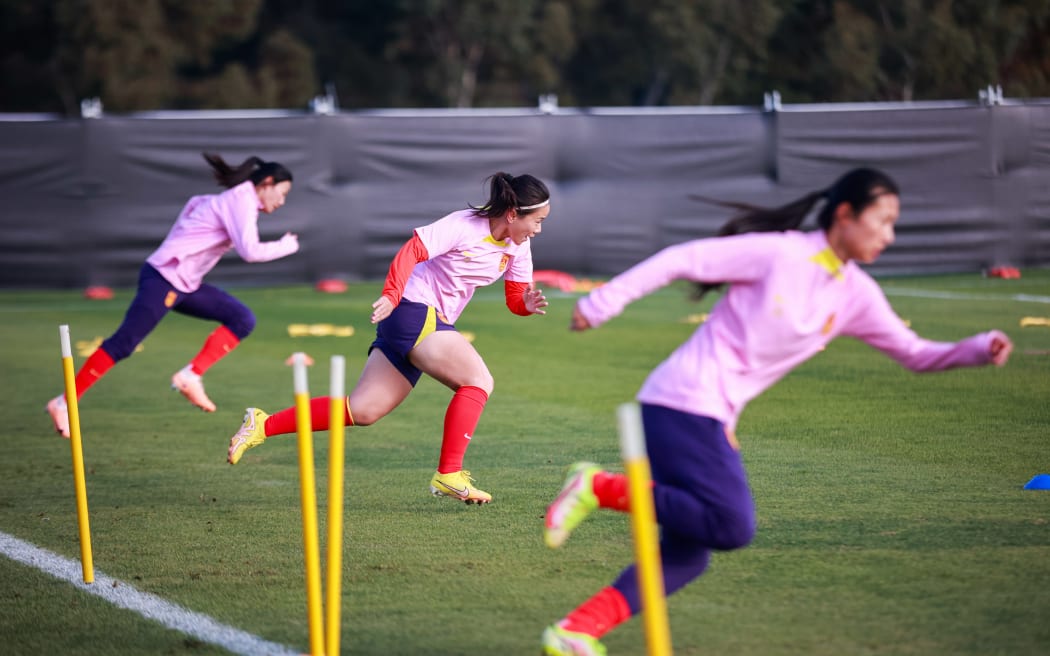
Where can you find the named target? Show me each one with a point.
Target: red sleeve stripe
(515, 292)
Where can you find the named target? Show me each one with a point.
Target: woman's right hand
(579, 322)
(381, 309)
(999, 348)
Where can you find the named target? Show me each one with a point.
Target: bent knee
(119, 347)
(364, 416)
(737, 531)
(243, 325)
(482, 381)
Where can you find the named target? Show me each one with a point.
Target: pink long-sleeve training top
(788, 295)
(207, 228)
(464, 256)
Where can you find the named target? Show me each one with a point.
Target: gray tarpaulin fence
(86, 200)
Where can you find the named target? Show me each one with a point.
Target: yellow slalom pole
(643, 526)
(308, 495)
(336, 468)
(78, 456)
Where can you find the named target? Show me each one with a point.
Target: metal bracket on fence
(91, 108)
(327, 104)
(771, 101)
(990, 95)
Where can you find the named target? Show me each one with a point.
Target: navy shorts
(406, 327)
(156, 296)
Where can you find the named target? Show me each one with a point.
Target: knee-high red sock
(611, 490)
(283, 421)
(220, 342)
(599, 614)
(461, 418)
(95, 367)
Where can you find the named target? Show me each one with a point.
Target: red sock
(611, 490)
(599, 614)
(283, 421)
(220, 342)
(461, 419)
(94, 368)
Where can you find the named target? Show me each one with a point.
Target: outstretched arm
(875, 323)
(721, 260)
(523, 299)
(736, 259)
(237, 212)
(411, 254)
(579, 322)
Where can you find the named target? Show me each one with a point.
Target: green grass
(891, 514)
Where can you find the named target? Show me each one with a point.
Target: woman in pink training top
(789, 294)
(430, 282)
(173, 277)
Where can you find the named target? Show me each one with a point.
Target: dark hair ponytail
(524, 193)
(752, 218)
(253, 169)
(859, 188)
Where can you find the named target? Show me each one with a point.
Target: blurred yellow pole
(308, 496)
(336, 469)
(76, 445)
(643, 526)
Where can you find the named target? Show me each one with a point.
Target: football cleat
(458, 486)
(190, 385)
(572, 505)
(59, 412)
(251, 434)
(560, 642)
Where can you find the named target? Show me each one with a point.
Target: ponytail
(253, 168)
(752, 218)
(507, 192)
(859, 188)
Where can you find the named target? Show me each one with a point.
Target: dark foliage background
(176, 54)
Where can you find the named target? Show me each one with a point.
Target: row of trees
(197, 54)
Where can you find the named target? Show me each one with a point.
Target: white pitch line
(956, 296)
(150, 606)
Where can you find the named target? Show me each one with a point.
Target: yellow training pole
(308, 495)
(336, 467)
(643, 526)
(78, 456)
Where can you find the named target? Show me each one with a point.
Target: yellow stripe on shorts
(429, 325)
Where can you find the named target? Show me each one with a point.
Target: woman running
(789, 294)
(173, 277)
(429, 283)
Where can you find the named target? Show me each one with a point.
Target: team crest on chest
(828, 325)
(503, 262)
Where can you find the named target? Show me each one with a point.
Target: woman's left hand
(535, 301)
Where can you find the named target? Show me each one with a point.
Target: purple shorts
(156, 297)
(399, 333)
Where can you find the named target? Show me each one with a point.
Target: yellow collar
(831, 263)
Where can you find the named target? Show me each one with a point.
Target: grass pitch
(891, 514)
